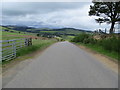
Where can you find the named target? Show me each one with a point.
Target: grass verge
(101, 50)
(37, 44)
(26, 52)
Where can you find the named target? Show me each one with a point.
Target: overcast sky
(49, 14)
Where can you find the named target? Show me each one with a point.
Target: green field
(49, 31)
(66, 31)
(68, 37)
(13, 35)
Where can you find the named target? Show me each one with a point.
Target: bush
(86, 41)
(110, 44)
(90, 40)
(81, 37)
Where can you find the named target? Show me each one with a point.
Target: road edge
(108, 61)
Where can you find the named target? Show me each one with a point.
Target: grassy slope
(68, 38)
(66, 31)
(13, 35)
(49, 31)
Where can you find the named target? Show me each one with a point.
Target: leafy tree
(108, 12)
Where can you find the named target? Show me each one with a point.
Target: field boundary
(106, 60)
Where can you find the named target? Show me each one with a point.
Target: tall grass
(108, 46)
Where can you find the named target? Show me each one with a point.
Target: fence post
(14, 48)
(26, 41)
(21, 44)
(30, 41)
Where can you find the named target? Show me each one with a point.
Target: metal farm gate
(8, 48)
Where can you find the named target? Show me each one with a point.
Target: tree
(108, 12)
(38, 34)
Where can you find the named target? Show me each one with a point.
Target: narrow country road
(64, 65)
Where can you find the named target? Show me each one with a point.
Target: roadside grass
(37, 44)
(27, 52)
(101, 50)
(108, 46)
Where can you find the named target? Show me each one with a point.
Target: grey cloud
(23, 8)
(48, 14)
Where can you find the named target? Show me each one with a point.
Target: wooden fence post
(26, 41)
(30, 41)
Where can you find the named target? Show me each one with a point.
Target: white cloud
(77, 18)
(74, 15)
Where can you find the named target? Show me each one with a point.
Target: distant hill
(60, 31)
(17, 28)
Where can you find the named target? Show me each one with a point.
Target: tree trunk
(112, 28)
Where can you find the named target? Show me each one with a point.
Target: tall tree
(108, 12)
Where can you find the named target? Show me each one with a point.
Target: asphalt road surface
(64, 65)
